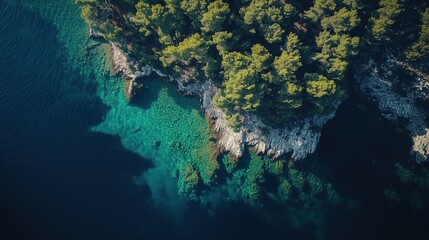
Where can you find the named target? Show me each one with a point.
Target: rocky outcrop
(299, 138)
(95, 34)
(122, 65)
(381, 85)
(421, 82)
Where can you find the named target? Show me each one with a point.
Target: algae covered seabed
(78, 162)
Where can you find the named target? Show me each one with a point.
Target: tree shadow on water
(146, 95)
(151, 90)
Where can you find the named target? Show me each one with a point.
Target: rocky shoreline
(120, 65)
(380, 85)
(298, 139)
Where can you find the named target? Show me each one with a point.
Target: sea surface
(78, 162)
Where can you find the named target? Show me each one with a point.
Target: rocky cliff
(299, 138)
(396, 101)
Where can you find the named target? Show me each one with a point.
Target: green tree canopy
(223, 41)
(244, 86)
(342, 21)
(420, 48)
(319, 9)
(194, 9)
(215, 16)
(384, 18)
(289, 61)
(335, 51)
(268, 16)
(164, 18)
(319, 86)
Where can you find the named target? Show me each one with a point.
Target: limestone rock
(299, 138)
(146, 71)
(120, 63)
(95, 34)
(377, 84)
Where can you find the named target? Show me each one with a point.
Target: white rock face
(298, 138)
(159, 73)
(120, 63)
(377, 84)
(122, 66)
(146, 71)
(95, 34)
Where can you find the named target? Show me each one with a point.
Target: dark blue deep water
(59, 180)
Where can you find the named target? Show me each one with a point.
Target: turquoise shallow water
(165, 127)
(78, 162)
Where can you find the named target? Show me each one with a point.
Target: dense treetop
(277, 58)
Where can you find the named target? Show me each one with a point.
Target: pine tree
(319, 86)
(269, 17)
(212, 20)
(289, 61)
(420, 48)
(384, 19)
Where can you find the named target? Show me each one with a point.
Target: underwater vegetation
(303, 189)
(411, 188)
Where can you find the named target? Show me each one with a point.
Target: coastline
(297, 139)
(377, 84)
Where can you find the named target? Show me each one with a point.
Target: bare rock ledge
(376, 83)
(299, 139)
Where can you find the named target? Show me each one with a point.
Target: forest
(279, 59)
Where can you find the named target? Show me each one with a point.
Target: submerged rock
(131, 88)
(95, 34)
(377, 83)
